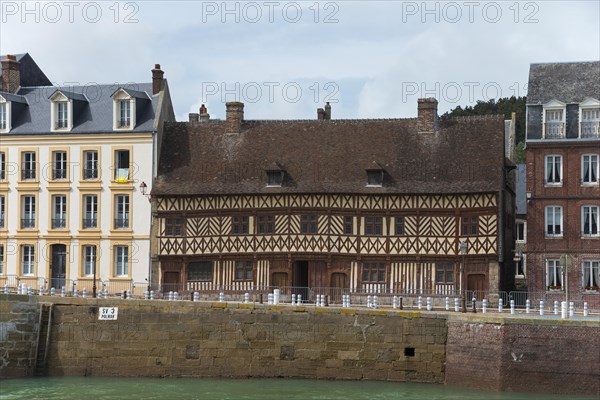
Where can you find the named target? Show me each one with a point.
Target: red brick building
(563, 185)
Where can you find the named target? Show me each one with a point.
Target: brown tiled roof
(330, 156)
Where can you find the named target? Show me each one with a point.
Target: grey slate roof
(569, 82)
(521, 189)
(31, 74)
(94, 116)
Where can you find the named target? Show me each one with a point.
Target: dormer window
(61, 113)
(589, 118)
(125, 103)
(554, 120)
(275, 175)
(375, 173)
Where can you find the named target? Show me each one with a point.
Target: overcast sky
(285, 59)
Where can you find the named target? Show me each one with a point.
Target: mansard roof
(569, 82)
(31, 74)
(466, 155)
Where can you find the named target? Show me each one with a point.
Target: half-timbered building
(378, 205)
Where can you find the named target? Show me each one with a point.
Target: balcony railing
(124, 123)
(89, 223)
(59, 223)
(589, 129)
(555, 130)
(28, 174)
(121, 223)
(59, 173)
(90, 173)
(27, 223)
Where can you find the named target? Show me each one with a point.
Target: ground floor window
(591, 275)
(553, 274)
(444, 273)
(243, 270)
(373, 272)
(200, 271)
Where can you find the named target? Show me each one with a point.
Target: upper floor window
(3, 116)
(520, 266)
(373, 272)
(589, 124)
(27, 259)
(554, 120)
(122, 165)
(553, 169)
(2, 165)
(589, 169)
(589, 220)
(200, 271)
(373, 226)
(374, 177)
(28, 165)
(470, 226)
(90, 211)
(308, 223)
(239, 225)
(90, 164)
(59, 210)
(265, 224)
(124, 114)
(275, 178)
(59, 170)
(348, 225)
(121, 211)
(591, 275)
(173, 226)
(399, 226)
(2, 211)
(124, 108)
(521, 231)
(243, 270)
(89, 260)
(554, 221)
(121, 261)
(28, 212)
(62, 115)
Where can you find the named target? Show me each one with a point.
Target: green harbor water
(241, 389)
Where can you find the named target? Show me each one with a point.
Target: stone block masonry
(19, 317)
(494, 352)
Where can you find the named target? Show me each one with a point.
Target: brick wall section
(518, 355)
(19, 317)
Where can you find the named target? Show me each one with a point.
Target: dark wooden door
(339, 282)
(280, 279)
(171, 282)
(317, 274)
(59, 266)
(476, 286)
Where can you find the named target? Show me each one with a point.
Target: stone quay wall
(204, 339)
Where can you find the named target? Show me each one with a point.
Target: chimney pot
(427, 117)
(234, 117)
(193, 117)
(157, 79)
(11, 74)
(320, 114)
(204, 115)
(327, 111)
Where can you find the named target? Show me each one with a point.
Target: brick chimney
(323, 114)
(157, 78)
(327, 111)
(204, 115)
(427, 117)
(234, 117)
(11, 74)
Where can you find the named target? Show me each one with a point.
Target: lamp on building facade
(463, 289)
(144, 190)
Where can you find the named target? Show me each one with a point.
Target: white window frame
(121, 261)
(28, 211)
(589, 104)
(5, 115)
(122, 174)
(122, 211)
(29, 163)
(523, 262)
(524, 224)
(554, 274)
(61, 105)
(90, 210)
(550, 212)
(550, 167)
(121, 97)
(589, 216)
(553, 106)
(59, 163)
(27, 260)
(90, 163)
(2, 166)
(59, 210)
(590, 164)
(89, 259)
(591, 279)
